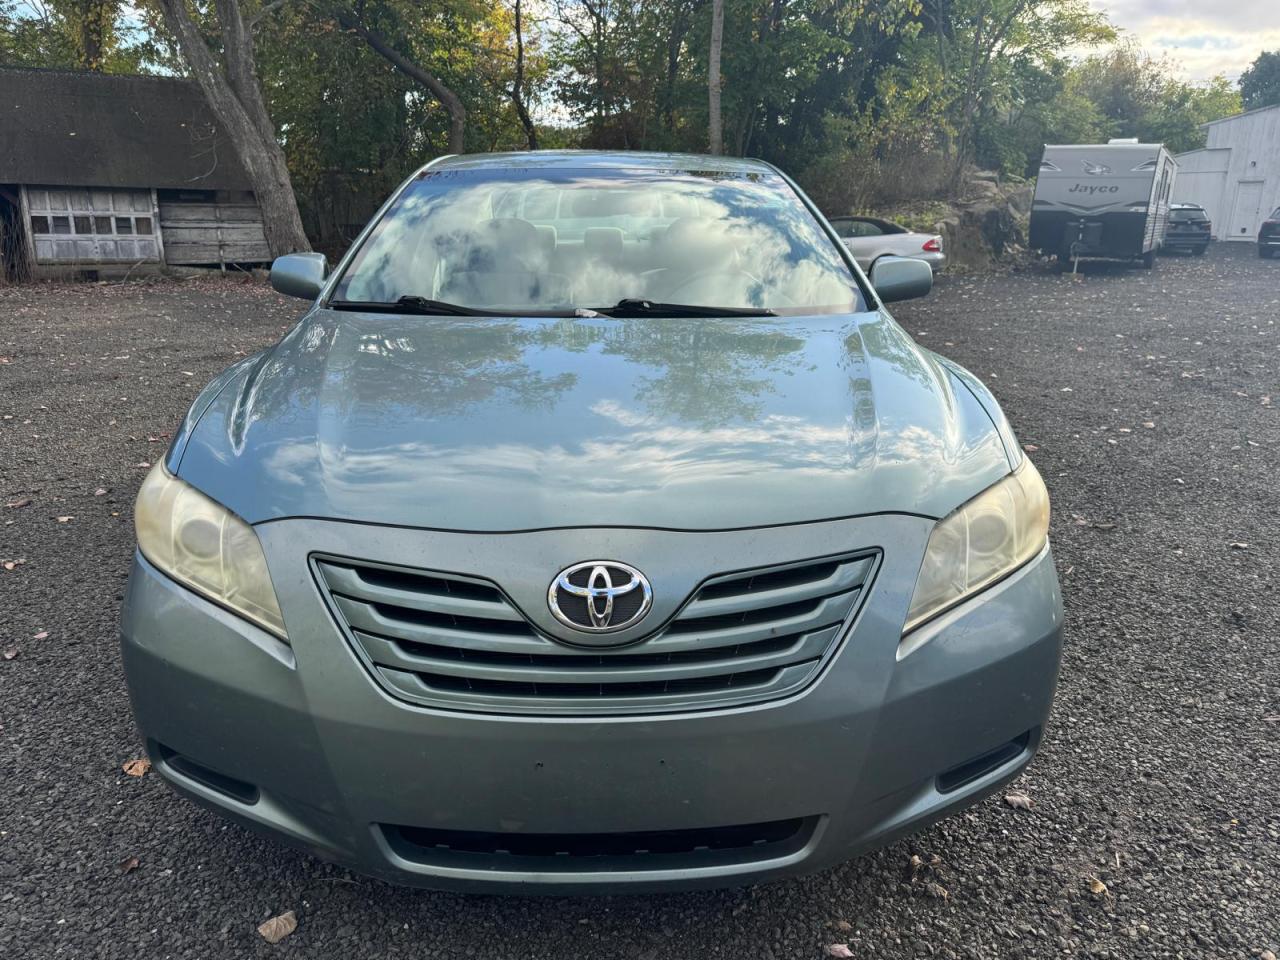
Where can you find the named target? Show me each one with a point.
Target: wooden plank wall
(213, 232)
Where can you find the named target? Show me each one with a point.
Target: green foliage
(1260, 83)
(867, 102)
(88, 34)
(1137, 96)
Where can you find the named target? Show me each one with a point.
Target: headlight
(990, 536)
(205, 547)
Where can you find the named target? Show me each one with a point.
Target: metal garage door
(86, 226)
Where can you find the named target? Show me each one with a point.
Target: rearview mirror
(901, 278)
(299, 274)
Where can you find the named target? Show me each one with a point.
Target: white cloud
(1201, 39)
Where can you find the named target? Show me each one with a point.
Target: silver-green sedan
(595, 528)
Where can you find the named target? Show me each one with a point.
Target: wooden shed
(103, 174)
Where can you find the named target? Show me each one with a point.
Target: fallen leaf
(100, 492)
(130, 864)
(137, 768)
(839, 950)
(18, 504)
(1030, 447)
(1238, 545)
(1150, 425)
(64, 519)
(937, 890)
(1019, 801)
(10, 652)
(42, 635)
(844, 926)
(1097, 887)
(277, 928)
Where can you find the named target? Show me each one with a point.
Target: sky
(1201, 37)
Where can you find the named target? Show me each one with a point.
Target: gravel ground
(1150, 402)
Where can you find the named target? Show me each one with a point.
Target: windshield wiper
(410, 304)
(634, 307)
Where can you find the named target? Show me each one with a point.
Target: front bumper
(297, 741)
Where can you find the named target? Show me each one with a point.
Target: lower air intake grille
(650, 850)
(447, 640)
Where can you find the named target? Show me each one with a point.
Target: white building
(1236, 177)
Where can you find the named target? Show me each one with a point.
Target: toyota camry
(596, 527)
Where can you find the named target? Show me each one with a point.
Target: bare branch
(266, 11)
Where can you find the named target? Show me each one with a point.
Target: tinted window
(1185, 213)
(858, 228)
(515, 240)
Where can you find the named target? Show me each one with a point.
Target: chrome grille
(446, 640)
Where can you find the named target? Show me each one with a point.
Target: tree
(92, 23)
(1260, 83)
(232, 92)
(361, 21)
(714, 125)
(1136, 95)
(986, 42)
(83, 34)
(517, 83)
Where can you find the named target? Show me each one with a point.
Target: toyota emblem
(599, 596)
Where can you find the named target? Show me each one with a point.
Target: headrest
(602, 242)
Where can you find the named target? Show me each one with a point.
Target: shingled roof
(74, 128)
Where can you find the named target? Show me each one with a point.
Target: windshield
(559, 240)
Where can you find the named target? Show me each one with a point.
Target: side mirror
(901, 278)
(299, 274)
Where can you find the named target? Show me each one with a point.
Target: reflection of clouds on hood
(646, 454)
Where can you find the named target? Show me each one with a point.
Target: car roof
(602, 159)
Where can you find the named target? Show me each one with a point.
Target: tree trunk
(517, 86)
(93, 21)
(714, 124)
(245, 123)
(350, 20)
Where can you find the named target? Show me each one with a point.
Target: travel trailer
(1102, 201)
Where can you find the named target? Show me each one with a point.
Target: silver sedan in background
(870, 238)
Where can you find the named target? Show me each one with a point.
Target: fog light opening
(983, 764)
(238, 790)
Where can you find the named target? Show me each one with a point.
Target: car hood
(483, 423)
